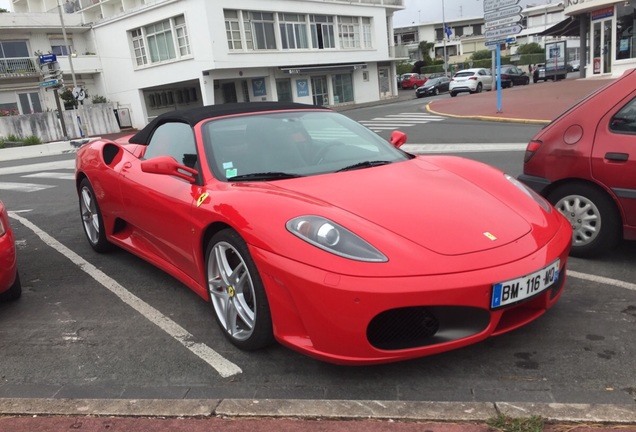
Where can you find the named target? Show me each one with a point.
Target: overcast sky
(5, 4)
(431, 10)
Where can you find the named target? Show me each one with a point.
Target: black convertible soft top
(194, 115)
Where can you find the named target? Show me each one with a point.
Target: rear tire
(453, 94)
(596, 222)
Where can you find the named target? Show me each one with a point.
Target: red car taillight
(531, 149)
(473, 78)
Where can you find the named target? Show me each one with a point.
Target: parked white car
(471, 80)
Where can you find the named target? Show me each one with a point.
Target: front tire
(92, 220)
(453, 94)
(435, 91)
(237, 294)
(596, 223)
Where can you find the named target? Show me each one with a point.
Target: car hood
(419, 201)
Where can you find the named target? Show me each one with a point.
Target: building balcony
(83, 64)
(19, 67)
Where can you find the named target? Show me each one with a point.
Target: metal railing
(18, 66)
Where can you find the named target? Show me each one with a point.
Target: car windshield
(278, 146)
(432, 81)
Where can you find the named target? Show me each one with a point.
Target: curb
(487, 118)
(322, 409)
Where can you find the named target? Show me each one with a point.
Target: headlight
(333, 238)
(545, 205)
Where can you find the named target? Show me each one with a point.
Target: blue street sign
(500, 41)
(49, 83)
(47, 58)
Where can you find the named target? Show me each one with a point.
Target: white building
(606, 30)
(467, 34)
(153, 56)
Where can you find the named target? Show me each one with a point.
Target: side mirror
(398, 138)
(167, 165)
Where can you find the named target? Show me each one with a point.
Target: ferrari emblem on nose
(490, 236)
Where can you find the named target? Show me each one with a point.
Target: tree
(3, 10)
(482, 55)
(530, 48)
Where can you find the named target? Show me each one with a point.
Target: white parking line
(602, 280)
(23, 187)
(224, 367)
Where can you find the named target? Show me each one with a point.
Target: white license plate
(515, 290)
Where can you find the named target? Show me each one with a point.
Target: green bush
(99, 99)
(31, 140)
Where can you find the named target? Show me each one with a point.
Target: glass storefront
(625, 23)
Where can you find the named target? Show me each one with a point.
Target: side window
(625, 119)
(176, 140)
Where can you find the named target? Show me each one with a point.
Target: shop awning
(568, 27)
(324, 68)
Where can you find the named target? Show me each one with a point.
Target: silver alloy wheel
(231, 291)
(583, 215)
(90, 215)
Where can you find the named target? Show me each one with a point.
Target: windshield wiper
(274, 175)
(365, 164)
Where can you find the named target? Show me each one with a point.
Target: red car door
(159, 206)
(614, 154)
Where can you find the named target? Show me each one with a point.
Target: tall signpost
(503, 22)
(52, 79)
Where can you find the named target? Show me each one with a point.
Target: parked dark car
(433, 86)
(511, 76)
(540, 74)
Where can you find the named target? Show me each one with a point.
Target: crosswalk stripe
(53, 175)
(23, 187)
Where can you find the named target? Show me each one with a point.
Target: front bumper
(365, 320)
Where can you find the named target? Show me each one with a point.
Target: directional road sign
(491, 5)
(502, 13)
(503, 32)
(49, 83)
(500, 41)
(515, 19)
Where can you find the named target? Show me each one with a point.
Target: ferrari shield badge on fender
(490, 236)
(202, 198)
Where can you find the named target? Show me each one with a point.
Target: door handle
(616, 157)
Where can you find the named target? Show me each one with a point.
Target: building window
(139, 48)
(366, 33)
(161, 40)
(322, 33)
(477, 29)
(349, 32)
(183, 41)
(293, 31)
(58, 47)
(459, 31)
(625, 25)
(13, 49)
(262, 25)
(342, 88)
(29, 103)
(233, 30)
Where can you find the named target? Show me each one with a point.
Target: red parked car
(413, 80)
(10, 288)
(288, 219)
(584, 162)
